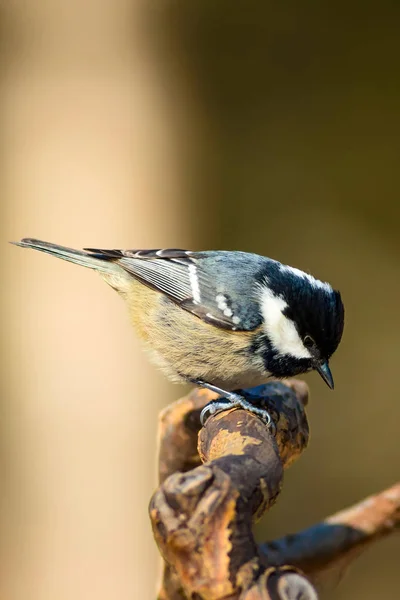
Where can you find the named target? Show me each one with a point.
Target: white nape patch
(280, 329)
(314, 282)
(194, 284)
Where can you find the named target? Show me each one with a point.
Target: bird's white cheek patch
(281, 331)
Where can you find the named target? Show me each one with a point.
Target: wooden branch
(325, 550)
(202, 514)
(202, 518)
(179, 425)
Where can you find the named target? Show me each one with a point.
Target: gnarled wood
(202, 517)
(324, 551)
(216, 481)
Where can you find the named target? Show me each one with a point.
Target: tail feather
(78, 257)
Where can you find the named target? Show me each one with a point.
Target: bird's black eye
(308, 341)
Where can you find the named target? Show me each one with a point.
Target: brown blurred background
(267, 127)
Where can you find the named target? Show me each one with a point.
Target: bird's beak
(325, 372)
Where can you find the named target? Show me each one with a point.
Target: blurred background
(266, 127)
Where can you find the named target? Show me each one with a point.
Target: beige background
(205, 125)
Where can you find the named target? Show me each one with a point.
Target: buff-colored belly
(185, 347)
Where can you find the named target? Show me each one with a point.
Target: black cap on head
(316, 309)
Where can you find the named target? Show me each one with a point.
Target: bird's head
(303, 320)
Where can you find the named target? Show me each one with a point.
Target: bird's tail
(79, 257)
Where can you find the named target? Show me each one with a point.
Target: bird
(225, 320)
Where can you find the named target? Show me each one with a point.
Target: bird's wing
(203, 283)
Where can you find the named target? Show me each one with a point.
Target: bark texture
(217, 480)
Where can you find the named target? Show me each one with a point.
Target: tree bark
(215, 482)
(202, 515)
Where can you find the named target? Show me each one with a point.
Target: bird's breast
(187, 348)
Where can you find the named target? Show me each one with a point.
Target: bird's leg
(230, 400)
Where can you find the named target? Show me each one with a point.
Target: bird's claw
(235, 401)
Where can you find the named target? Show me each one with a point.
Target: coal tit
(223, 320)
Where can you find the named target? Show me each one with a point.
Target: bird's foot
(231, 400)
